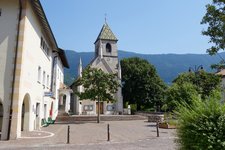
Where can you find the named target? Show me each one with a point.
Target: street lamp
(196, 75)
(196, 69)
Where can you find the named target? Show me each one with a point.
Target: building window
(37, 109)
(47, 51)
(43, 78)
(110, 108)
(0, 12)
(47, 84)
(39, 74)
(44, 46)
(88, 107)
(108, 48)
(42, 42)
(45, 111)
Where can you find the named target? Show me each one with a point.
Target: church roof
(106, 34)
(222, 72)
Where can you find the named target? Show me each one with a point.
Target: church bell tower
(106, 56)
(106, 43)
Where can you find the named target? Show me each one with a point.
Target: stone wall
(152, 117)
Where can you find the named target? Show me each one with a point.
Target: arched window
(108, 48)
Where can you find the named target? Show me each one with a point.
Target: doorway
(101, 107)
(37, 115)
(25, 116)
(45, 111)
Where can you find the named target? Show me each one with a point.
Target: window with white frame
(39, 74)
(42, 42)
(47, 84)
(88, 107)
(43, 78)
(44, 46)
(110, 108)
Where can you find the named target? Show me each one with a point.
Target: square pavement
(138, 134)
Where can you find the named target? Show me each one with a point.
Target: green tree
(141, 84)
(98, 86)
(204, 82)
(215, 19)
(219, 66)
(179, 93)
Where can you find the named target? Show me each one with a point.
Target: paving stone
(138, 134)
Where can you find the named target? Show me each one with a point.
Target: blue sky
(142, 26)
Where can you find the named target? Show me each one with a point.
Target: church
(106, 58)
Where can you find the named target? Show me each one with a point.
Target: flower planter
(165, 125)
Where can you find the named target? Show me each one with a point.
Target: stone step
(77, 118)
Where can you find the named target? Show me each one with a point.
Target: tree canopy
(179, 93)
(215, 19)
(141, 84)
(191, 85)
(98, 85)
(204, 82)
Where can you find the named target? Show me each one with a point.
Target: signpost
(48, 94)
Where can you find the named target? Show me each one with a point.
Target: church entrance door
(101, 108)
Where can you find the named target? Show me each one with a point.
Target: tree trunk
(98, 119)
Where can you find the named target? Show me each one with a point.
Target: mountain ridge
(168, 66)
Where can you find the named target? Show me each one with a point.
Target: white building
(31, 68)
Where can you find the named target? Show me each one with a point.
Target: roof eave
(63, 58)
(105, 40)
(44, 21)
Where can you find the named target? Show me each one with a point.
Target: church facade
(106, 58)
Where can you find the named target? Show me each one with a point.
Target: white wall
(34, 56)
(8, 36)
(59, 80)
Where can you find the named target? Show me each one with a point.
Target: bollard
(108, 132)
(157, 128)
(68, 135)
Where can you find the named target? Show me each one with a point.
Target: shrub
(133, 108)
(201, 125)
(179, 93)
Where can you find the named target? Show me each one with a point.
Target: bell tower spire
(80, 68)
(105, 18)
(106, 43)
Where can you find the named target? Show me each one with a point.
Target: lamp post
(196, 69)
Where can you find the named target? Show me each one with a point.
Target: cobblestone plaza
(138, 134)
